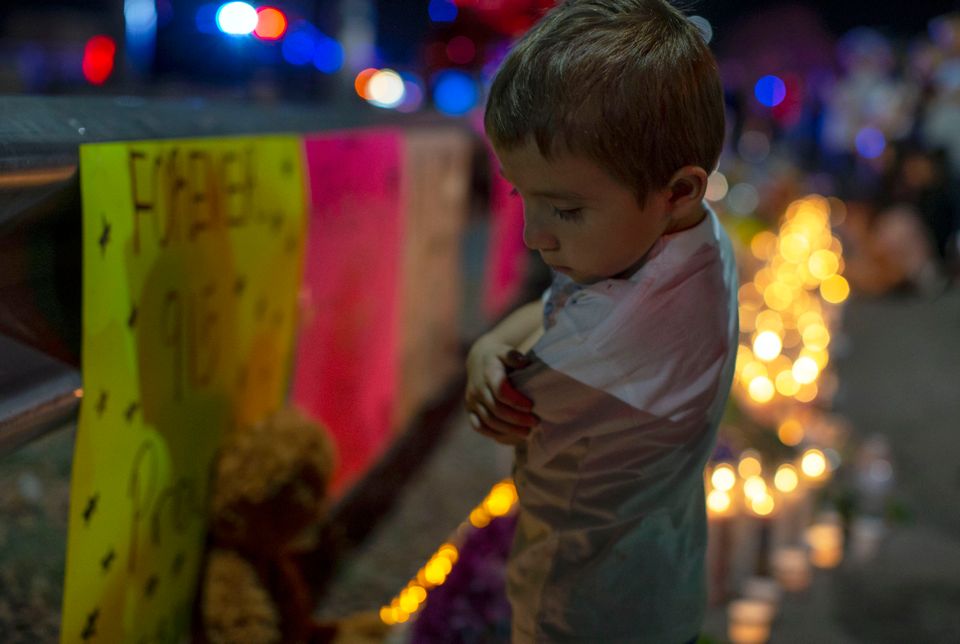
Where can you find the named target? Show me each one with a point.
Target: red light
(271, 23)
(98, 59)
(360, 82)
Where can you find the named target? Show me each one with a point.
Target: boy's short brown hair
(630, 84)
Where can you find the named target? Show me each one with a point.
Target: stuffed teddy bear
(269, 490)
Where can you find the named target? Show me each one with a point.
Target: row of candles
(499, 502)
(787, 312)
(786, 309)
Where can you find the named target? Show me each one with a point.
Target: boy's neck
(688, 220)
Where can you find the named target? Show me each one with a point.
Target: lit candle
(791, 568)
(748, 621)
(826, 544)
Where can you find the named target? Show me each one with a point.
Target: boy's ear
(688, 185)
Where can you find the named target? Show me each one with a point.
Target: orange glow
(755, 488)
(794, 248)
(749, 465)
(723, 477)
(807, 393)
(790, 432)
(718, 501)
(813, 463)
(786, 479)
(767, 346)
(835, 289)
(763, 245)
(761, 389)
(786, 384)
(271, 23)
(360, 83)
(769, 321)
(763, 505)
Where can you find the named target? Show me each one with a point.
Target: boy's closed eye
(567, 214)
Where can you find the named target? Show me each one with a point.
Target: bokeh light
(724, 477)
(767, 346)
(299, 45)
(790, 432)
(98, 59)
(413, 95)
(770, 91)
(763, 505)
(835, 289)
(454, 92)
(237, 18)
(813, 463)
(754, 487)
(717, 186)
(271, 23)
(718, 501)
(327, 55)
(442, 11)
(360, 82)
(870, 142)
(761, 389)
(140, 16)
(385, 89)
(749, 464)
(805, 370)
(786, 479)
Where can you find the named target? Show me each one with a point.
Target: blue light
(207, 18)
(327, 55)
(454, 92)
(300, 44)
(870, 142)
(140, 16)
(442, 11)
(770, 91)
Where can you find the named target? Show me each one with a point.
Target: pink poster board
(506, 253)
(346, 361)
(506, 263)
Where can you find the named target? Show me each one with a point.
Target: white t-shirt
(629, 380)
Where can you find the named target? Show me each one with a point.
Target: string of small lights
(499, 502)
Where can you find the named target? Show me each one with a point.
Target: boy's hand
(496, 409)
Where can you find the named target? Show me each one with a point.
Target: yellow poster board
(191, 264)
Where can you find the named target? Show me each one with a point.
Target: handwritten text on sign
(192, 254)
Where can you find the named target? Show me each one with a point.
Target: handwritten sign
(347, 351)
(192, 254)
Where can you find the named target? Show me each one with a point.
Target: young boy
(607, 118)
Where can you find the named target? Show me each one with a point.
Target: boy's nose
(536, 236)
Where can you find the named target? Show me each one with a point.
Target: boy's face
(582, 221)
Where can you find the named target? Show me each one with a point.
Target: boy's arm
(527, 344)
(520, 329)
(497, 409)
